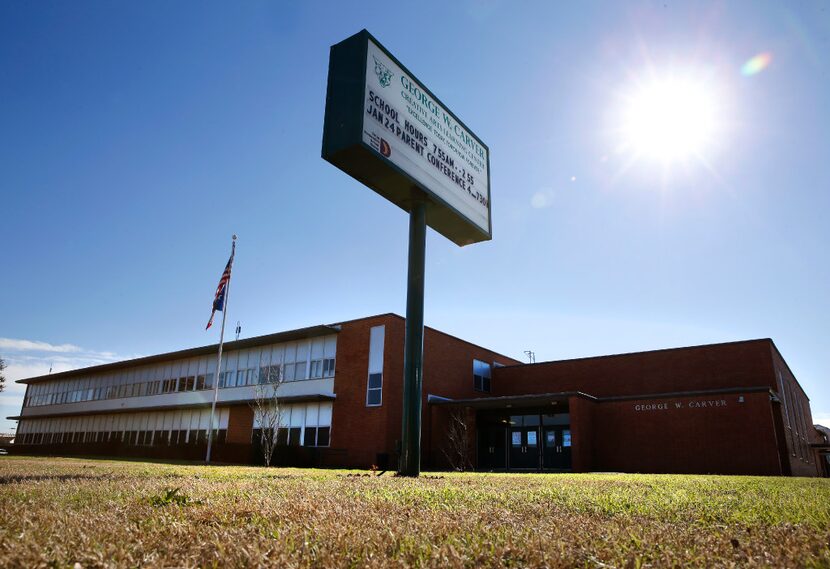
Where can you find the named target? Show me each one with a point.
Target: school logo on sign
(383, 73)
(385, 149)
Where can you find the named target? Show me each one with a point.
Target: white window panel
(290, 352)
(312, 414)
(254, 357)
(245, 356)
(278, 354)
(325, 414)
(302, 351)
(285, 416)
(317, 348)
(233, 363)
(330, 349)
(376, 343)
(288, 372)
(265, 357)
(297, 416)
(173, 370)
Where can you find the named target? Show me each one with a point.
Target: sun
(670, 119)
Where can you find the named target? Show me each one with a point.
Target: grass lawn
(58, 512)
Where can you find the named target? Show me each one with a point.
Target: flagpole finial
(234, 236)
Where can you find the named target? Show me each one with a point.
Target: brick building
(727, 408)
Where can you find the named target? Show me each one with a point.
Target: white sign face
(406, 125)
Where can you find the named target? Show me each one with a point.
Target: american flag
(221, 289)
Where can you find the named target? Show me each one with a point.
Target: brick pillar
(240, 424)
(582, 433)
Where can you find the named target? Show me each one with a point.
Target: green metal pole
(410, 461)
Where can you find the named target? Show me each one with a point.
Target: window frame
(370, 389)
(482, 381)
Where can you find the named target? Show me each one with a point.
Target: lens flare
(756, 64)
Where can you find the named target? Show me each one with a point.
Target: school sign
(386, 129)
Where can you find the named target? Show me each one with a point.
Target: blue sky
(137, 137)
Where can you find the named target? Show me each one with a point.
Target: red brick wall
(739, 364)
(687, 435)
(240, 424)
(361, 432)
(582, 412)
(736, 438)
(448, 372)
(796, 420)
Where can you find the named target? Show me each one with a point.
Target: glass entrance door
(524, 442)
(530, 441)
(557, 448)
(524, 448)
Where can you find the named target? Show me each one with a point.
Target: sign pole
(410, 460)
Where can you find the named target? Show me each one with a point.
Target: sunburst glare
(670, 119)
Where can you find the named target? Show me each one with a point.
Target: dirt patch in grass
(58, 512)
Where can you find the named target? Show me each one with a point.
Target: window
(328, 367)
(481, 376)
(299, 372)
(316, 369)
(317, 421)
(374, 384)
(187, 383)
(289, 372)
(374, 389)
(200, 382)
(316, 437)
(269, 374)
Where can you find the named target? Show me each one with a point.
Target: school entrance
(526, 441)
(521, 433)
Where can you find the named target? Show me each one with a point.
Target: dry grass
(58, 512)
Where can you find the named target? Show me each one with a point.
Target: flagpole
(219, 357)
